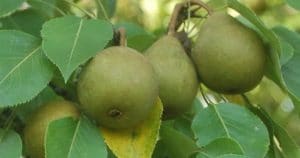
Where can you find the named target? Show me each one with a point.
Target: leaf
(220, 146)
(29, 21)
(294, 3)
(290, 70)
(109, 7)
(140, 42)
(132, 29)
(7, 7)
(25, 70)
(287, 52)
(232, 156)
(235, 122)
(10, 144)
(176, 144)
(273, 64)
(183, 124)
(50, 8)
(70, 41)
(288, 147)
(138, 142)
(24, 111)
(74, 139)
(137, 37)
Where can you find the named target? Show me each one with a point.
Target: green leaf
(290, 70)
(139, 141)
(28, 21)
(288, 147)
(273, 63)
(10, 144)
(70, 41)
(140, 42)
(24, 111)
(50, 8)
(232, 156)
(132, 29)
(137, 37)
(176, 144)
(7, 7)
(232, 121)
(109, 7)
(294, 3)
(287, 52)
(25, 70)
(74, 139)
(220, 147)
(183, 124)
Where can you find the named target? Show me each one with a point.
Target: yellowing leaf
(138, 142)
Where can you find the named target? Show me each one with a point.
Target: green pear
(118, 88)
(34, 132)
(178, 83)
(230, 57)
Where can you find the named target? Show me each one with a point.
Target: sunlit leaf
(25, 70)
(137, 142)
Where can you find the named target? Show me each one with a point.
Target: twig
(103, 10)
(83, 10)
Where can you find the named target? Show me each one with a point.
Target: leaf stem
(103, 9)
(81, 9)
(122, 33)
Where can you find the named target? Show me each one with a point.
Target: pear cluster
(119, 86)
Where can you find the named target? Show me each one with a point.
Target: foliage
(46, 43)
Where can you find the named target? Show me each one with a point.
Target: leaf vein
(75, 43)
(19, 64)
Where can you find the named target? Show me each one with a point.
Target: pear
(178, 83)
(34, 132)
(230, 58)
(118, 88)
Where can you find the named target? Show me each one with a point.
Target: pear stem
(122, 33)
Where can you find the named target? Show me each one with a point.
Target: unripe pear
(34, 132)
(118, 87)
(230, 57)
(178, 83)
